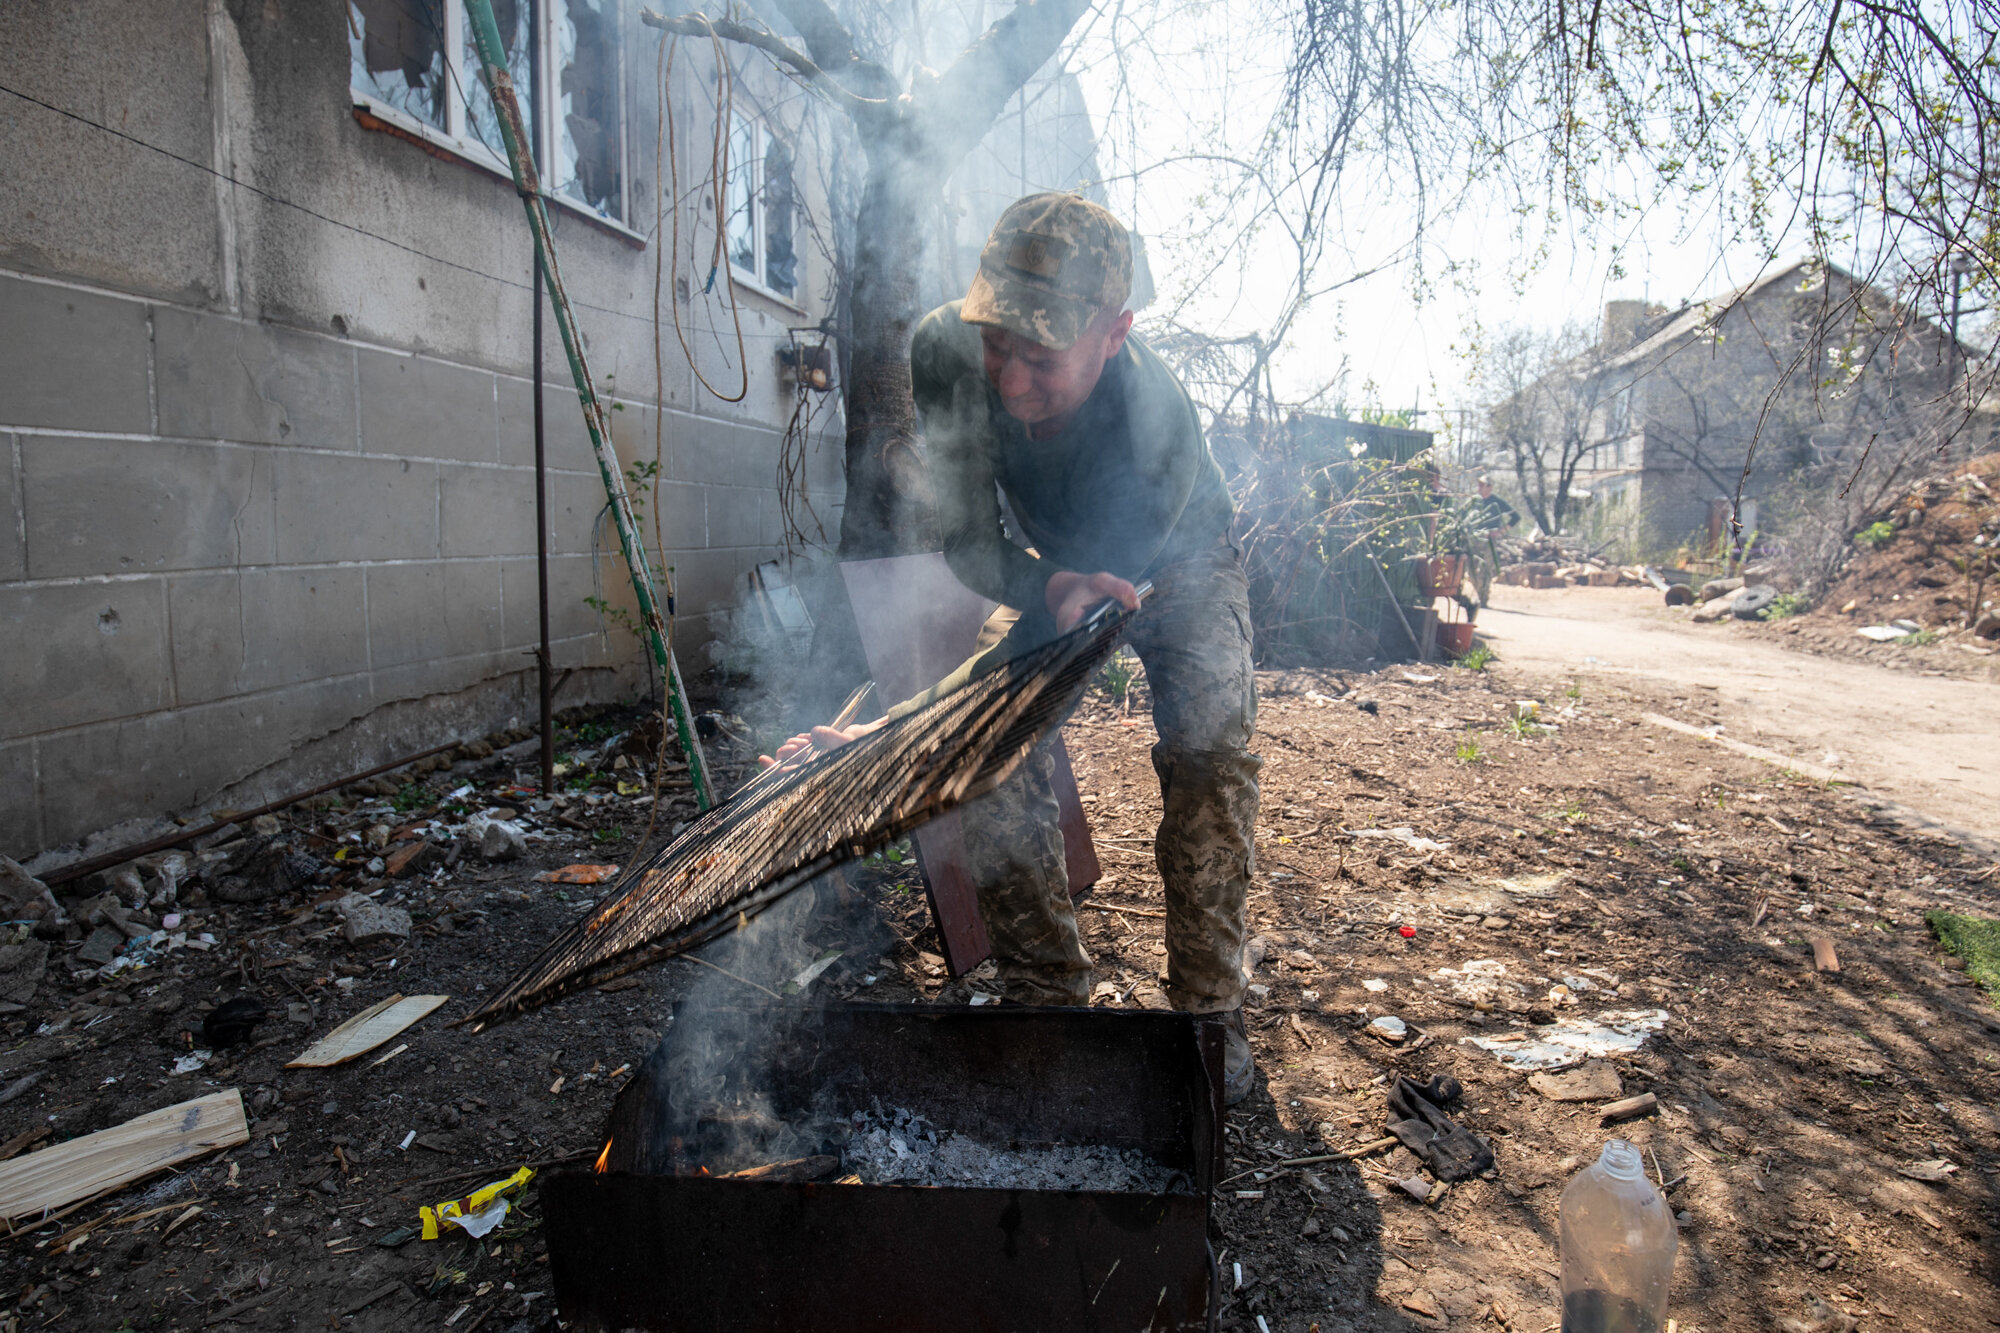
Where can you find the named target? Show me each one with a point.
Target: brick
(415, 407)
(565, 442)
(20, 816)
(111, 506)
(487, 511)
(708, 450)
(345, 508)
(302, 624)
(732, 517)
(420, 612)
(13, 541)
(234, 379)
(72, 360)
(79, 654)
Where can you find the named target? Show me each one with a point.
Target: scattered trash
(367, 1030)
(1392, 1030)
(817, 969)
(478, 1212)
(578, 874)
(1407, 932)
(95, 1164)
(1889, 633)
(1451, 1151)
(1934, 1172)
(1375, 984)
(1405, 835)
(192, 1061)
(1573, 1040)
(365, 921)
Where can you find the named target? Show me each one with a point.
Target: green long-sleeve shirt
(1126, 487)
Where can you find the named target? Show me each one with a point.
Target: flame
(702, 1169)
(604, 1158)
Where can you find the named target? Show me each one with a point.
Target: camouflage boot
(1014, 842)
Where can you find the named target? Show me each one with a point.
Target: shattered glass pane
(740, 225)
(396, 55)
(481, 123)
(590, 133)
(781, 260)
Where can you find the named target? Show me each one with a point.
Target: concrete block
(487, 511)
(707, 579)
(420, 612)
(302, 624)
(632, 437)
(686, 514)
(707, 450)
(13, 538)
(345, 508)
(232, 379)
(565, 442)
(206, 613)
(97, 776)
(732, 517)
(415, 407)
(72, 360)
(79, 654)
(442, 676)
(111, 506)
(576, 499)
(20, 815)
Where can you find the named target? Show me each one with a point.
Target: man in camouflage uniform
(1032, 387)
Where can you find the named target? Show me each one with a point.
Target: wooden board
(367, 1030)
(918, 622)
(110, 1159)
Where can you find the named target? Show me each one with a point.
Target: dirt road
(1926, 742)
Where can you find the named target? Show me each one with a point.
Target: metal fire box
(629, 1248)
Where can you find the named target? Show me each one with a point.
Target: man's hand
(1070, 595)
(822, 739)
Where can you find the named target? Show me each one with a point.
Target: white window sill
(476, 154)
(750, 284)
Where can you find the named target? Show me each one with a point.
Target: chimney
(1621, 326)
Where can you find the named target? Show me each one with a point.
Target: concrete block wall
(236, 556)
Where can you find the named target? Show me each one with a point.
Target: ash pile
(900, 1147)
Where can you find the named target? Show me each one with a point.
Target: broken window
(396, 56)
(590, 131)
(517, 43)
(762, 221)
(414, 63)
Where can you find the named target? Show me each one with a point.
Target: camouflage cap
(1053, 261)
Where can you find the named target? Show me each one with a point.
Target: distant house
(1791, 375)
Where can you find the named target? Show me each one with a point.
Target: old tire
(1751, 601)
(1680, 595)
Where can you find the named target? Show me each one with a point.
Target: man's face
(1039, 385)
(1485, 490)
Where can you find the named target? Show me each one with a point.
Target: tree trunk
(889, 508)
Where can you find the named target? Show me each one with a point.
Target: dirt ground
(1912, 725)
(1638, 867)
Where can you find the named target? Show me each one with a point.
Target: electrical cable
(718, 164)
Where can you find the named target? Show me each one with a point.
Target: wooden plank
(918, 622)
(367, 1030)
(111, 1159)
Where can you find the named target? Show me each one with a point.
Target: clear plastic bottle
(1618, 1244)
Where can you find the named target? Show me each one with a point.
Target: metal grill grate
(779, 833)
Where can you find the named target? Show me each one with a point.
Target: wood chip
(1824, 958)
(367, 1030)
(112, 1158)
(1630, 1109)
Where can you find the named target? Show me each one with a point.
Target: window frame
(457, 139)
(761, 135)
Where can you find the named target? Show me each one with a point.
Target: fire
(604, 1158)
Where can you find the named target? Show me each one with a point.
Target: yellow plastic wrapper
(478, 1212)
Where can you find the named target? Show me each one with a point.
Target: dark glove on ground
(1451, 1151)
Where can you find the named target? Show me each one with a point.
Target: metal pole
(544, 667)
(527, 183)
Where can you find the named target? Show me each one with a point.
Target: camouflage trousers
(1193, 635)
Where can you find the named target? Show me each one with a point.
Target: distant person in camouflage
(1491, 516)
(1034, 389)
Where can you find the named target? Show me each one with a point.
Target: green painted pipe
(500, 84)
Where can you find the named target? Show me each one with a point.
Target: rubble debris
(367, 1030)
(499, 839)
(232, 1021)
(18, 888)
(22, 967)
(102, 946)
(1392, 1030)
(1825, 959)
(1934, 1172)
(95, 1164)
(365, 921)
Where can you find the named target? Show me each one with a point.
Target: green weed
(1468, 752)
(1876, 535)
(1475, 658)
(1786, 604)
(1524, 728)
(1976, 940)
(1923, 638)
(409, 796)
(1574, 813)
(1115, 677)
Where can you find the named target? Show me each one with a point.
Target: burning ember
(604, 1158)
